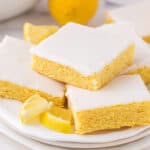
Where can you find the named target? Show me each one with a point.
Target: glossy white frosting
(122, 90)
(82, 48)
(142, 50)
(137, 14)
(15, 67)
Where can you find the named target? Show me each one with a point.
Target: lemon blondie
(18, 81)
(125, 102)
(142, 51)
(137, 14)
(34, 34)
(82, 56)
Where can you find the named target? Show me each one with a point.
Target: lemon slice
(34, 34)
(58, 119)
(32, 108)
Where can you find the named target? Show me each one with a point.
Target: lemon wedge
(32, 108)
(58, 119)
(34, 34)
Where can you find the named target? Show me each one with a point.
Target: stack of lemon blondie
(98, 67)
(99, 72)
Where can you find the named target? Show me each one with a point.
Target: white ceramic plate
(97, 145)
(9, 110)
(35, 145)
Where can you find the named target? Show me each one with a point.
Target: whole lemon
(79, 11)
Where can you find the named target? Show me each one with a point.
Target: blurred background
(14, 13)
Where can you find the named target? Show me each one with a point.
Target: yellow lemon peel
(58, 119)
(79, 11)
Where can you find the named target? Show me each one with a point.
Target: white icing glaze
(122, 90)
(82, 48)
(142, 50)
(15, 67)
(137, 14)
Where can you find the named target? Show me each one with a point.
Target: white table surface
(14, 27)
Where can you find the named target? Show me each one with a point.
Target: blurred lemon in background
(79, 11)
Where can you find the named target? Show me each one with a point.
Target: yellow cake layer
(109, 19)
(17, 92)
(68, 75)
(114, 117)
(144, 72)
